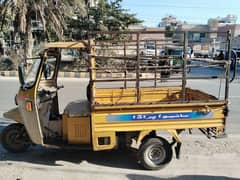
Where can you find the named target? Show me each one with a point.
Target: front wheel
(154, 153)
(15, 139)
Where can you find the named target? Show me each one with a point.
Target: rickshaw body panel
(13, 114)
(30, 117)
(115, 112)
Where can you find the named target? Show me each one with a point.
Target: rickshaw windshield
(31, 76)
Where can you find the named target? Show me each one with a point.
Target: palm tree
(50, 13)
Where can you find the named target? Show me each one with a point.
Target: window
(49, 68)
(31, 76)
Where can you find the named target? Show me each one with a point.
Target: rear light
(28, 106)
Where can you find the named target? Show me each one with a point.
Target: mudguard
(13, 114)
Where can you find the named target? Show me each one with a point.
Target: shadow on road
(184, 177)
(43, 156)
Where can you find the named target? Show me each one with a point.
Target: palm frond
(55, 21)
(4, 10)
(51, 13)
(40, 13)
(23, 11)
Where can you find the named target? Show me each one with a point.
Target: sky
(191, 11)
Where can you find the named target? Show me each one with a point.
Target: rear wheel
(154, 153)
(232, 65)
(15, 139)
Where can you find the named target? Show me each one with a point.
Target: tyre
(15, 139)
(88, 92)
(232, 65)
(154, 153)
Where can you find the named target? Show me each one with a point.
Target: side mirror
(21, 73)
(46, 70)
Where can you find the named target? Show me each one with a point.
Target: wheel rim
(156, 154)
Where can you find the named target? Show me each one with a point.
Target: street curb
(9, 73)
(84, 74)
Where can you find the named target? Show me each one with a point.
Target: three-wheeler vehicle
(124, 107)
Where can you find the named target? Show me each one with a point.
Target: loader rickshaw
(129, 111)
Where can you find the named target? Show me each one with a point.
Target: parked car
(149, 50)
(69, 55)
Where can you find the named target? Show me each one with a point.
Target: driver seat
(78, 108)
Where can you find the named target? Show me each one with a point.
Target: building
(209, 43)
(169, 21)
(229, 19)
(92, 3)
(148, 37)
(199, 37)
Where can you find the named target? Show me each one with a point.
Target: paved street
(201, 158)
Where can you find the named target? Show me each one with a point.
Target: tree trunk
(28, 40)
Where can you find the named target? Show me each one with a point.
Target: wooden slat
(69, 45)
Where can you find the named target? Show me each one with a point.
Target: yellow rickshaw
(110, 116)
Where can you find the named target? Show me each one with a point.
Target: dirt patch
(192, 95)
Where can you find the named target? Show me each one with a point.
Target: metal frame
(137, 58)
